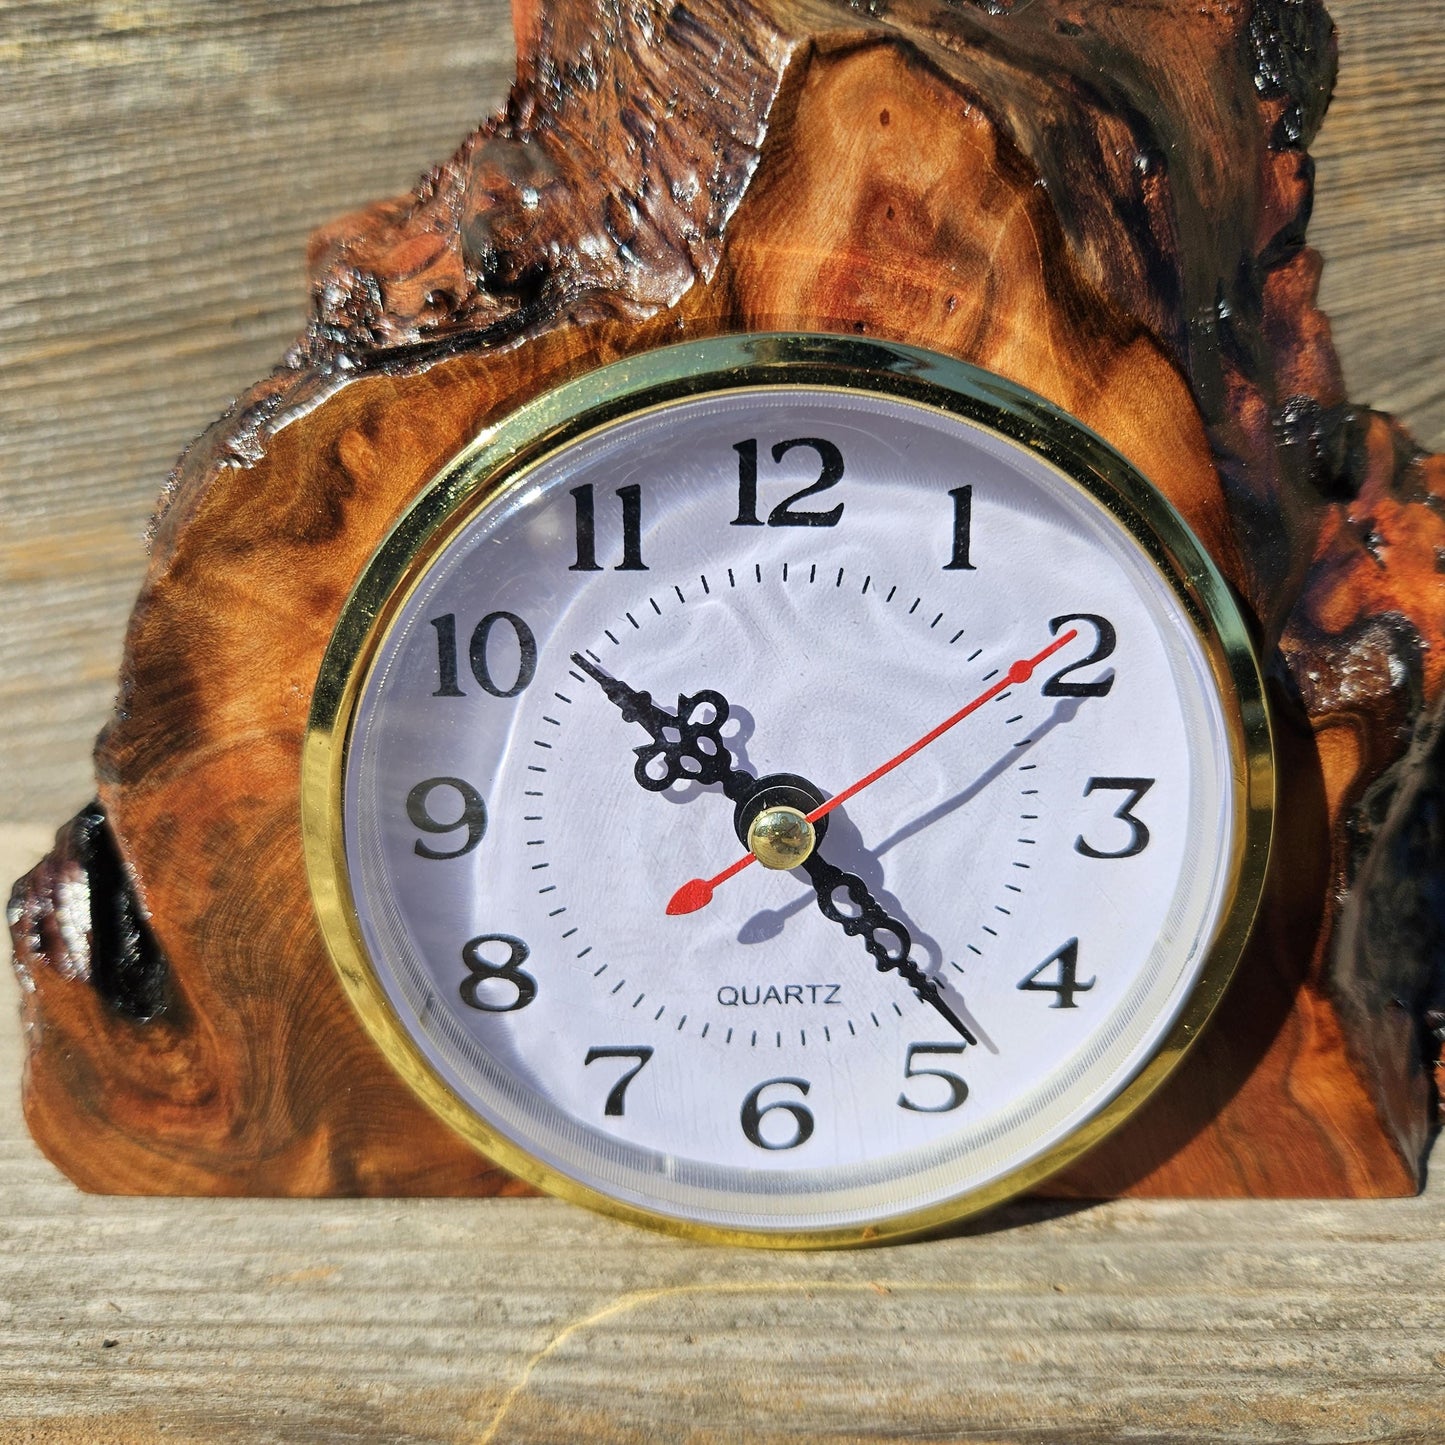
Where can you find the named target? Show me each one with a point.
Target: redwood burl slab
(1103, 201)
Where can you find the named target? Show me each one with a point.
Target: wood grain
(163, 167)
(415, 1320)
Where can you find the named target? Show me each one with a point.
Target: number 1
(962, 530)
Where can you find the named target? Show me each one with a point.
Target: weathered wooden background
(160, 166)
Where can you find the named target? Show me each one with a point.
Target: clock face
(587, 688)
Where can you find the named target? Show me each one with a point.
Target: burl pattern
(1103, 201)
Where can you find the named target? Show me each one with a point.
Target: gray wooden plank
(1379, 214)
(163, 165)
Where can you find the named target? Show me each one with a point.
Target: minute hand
(697, 892)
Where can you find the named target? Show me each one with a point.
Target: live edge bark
(1103, 201)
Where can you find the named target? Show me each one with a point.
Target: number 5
(957, 1089)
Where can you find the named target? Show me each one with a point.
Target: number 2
(1104, 647)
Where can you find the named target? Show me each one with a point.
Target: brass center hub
(781, 837)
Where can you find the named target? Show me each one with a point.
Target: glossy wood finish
(992, 184)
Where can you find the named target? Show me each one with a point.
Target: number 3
(1138, 829)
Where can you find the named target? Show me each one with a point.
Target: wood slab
(117, 118)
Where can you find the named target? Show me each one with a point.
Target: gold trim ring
(505, 452)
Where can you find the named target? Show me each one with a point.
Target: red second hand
(697, 892)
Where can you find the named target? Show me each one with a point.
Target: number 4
(1068, 983)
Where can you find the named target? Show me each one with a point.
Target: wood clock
(895, 445)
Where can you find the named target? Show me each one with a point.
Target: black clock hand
(688, 743)
(873, 923)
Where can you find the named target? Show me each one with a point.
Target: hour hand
(687, 745)
(868, 918)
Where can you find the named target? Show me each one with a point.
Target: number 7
(619, 1090)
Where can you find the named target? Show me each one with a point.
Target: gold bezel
(497, 458)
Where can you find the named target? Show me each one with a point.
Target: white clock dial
(586, 686)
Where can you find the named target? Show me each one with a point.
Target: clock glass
(787, 789)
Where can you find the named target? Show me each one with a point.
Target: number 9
(473, 816)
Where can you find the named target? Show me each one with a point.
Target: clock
(787, 789)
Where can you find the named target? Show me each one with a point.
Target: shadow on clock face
(846, 848)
